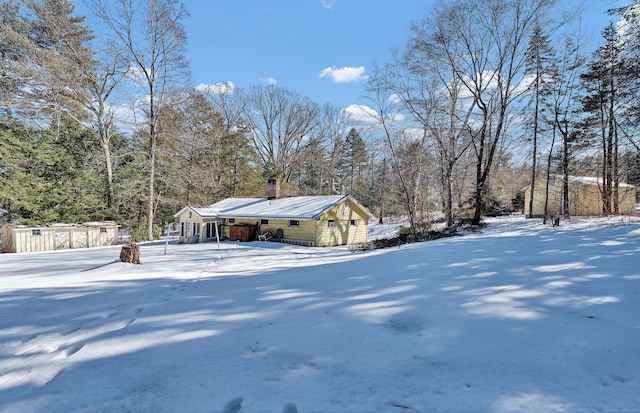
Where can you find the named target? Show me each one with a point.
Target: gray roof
(298, 207)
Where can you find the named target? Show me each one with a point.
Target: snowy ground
(518, 318)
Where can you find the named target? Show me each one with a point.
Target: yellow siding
(306, 231)
(344, 233)
(316, 232)
(189, 217)
(584, 200)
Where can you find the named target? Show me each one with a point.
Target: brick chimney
(273, 188)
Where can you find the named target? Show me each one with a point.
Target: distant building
(21, 238)
(585, 197)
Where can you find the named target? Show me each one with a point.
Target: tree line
(485, 98)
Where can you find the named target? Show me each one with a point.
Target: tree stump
(130, 253)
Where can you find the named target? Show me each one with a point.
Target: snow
(296, 207)
(519, 317)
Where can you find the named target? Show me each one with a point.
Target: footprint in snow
(235, 405)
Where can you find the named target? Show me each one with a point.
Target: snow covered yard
(517, 318)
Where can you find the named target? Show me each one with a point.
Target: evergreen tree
(354, 157)
(49, 177)
(539, 59)
(58, 51)
(13, 43)
(602, 82)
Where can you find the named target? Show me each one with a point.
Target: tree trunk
(535, 146)
(150, 187)
(566, 212)
(130, 253)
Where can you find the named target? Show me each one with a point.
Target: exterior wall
(188, 218)
(36, 239)
(584, 200)
(305, 231)
(343, 232)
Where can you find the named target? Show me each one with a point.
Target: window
(231, 221)
(354, 222)
(183, 229)
(196, 228)
(264, 222)
(331, 223)
(103, 230)
(36, 232)
(294, 223)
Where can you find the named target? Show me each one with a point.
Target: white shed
(21, 238)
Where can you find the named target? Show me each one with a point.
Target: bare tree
(485, 42)
(422, 83)
(153, 38)
(98, 78)
(279, 121)
(331, 127)
(228, 101)
(386, 116)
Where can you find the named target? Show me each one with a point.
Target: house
(21, 238)
(585, 197)
(303, 220)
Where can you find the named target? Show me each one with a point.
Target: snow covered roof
(298, 207)
(592, 180)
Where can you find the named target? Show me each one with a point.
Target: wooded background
(485, 98)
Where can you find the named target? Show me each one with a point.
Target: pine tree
(355, 156)
(602, 82)
(539, 58)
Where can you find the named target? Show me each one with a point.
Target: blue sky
(323, 49)
(319, 48)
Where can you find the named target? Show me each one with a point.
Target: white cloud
(217, 88)
(395, 99)
(268, 80)
(137, 76)
(361, 114)
(344, 74)
(367, 116)
(327, 4)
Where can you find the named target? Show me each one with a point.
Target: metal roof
(298, 207)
